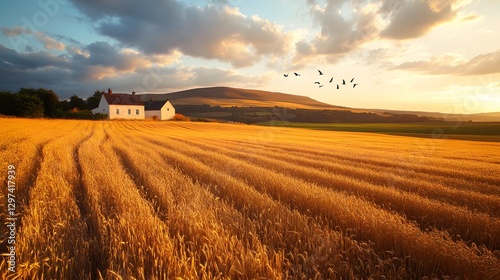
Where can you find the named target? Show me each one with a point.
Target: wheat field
(182, 200)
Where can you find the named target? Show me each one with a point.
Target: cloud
(211, 32)
(488, 63)
(15, 61)
(82, 70)
(380, 56)
(470, 17)
(100, 59)
(31, 69)
(93, 62)
(48, 42)
(340, 34)
(12, 32)
(483, 64)
(416, 18)
(346, 26)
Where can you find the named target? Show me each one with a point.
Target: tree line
(41, 102)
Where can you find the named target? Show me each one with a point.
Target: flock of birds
(330, 81)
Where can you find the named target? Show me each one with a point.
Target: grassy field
(452, 130)
(181, 200)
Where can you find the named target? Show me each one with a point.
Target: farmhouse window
(117, 111)
(137, 111)
(129, 111)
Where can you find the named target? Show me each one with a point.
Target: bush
(181, 118)
(84, 115)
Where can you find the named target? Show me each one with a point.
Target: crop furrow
(457, 220)
(269, 215)
(194, 214)
(413, 161)
(126, 222)
(403, 165)
(96, 261)
(141, 185)
(427, 212)
(329, 205)
(30, 180)
(485, 203)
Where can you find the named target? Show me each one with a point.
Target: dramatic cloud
(370, 20)
(94, 62)
(418, 17)
(31, 69)
(100, 59)
(83, 70)
(338, 34)
(12, 60)
(212, 32)
(479, 65)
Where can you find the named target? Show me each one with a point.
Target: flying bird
(317, 83)
(353, 86)
(331, 80)
(320, 73)
(320, 86)
(338, 86)
(296, 74)
(343, 81)
(286, 75)
(352, 80)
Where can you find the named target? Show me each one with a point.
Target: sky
(420, 55)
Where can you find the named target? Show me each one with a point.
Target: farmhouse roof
(122, 99)
(154, 105)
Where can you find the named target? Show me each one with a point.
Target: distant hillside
(481, 117)
(227, 97)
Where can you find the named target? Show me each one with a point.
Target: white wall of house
(128, 112)
(167, 112)
(153, 114)
(103, 107)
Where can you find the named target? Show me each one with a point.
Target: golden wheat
(166, 200)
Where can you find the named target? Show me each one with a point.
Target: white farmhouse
(131, 107)
(121, 106)
(161, 110)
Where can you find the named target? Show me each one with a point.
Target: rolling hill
(229, 97)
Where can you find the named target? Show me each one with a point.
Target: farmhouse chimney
(133, 92)
(110, 91)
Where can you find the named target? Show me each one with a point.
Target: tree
(20, 104)
(49, 99)
(76, 102)
(93, 101)
(26, 105)
(64, 105)
(6, 103)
